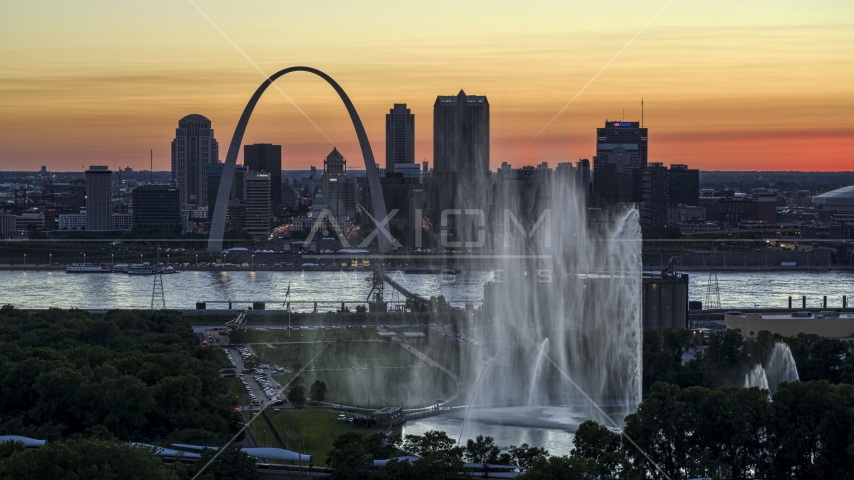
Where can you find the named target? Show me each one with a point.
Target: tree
(84, 459)
(230, 464)
(128, 375)
(659, 428)
(600, 445)
(349, 458)
(431, 442)
(318, 391)
(238, 336)
(251, 362)
(296, 394)
(438, 465)
(525, 456)
(561, 468)
(810, 429)
(819, 358)
(481, 450)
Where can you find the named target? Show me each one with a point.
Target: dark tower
(461, 174)
(399, 137)
(621, 155)
(264, 157)
(684, 185)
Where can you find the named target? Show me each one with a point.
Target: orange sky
(727, 85)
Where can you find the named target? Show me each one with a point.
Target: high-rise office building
(99, 198)
(157, 208)
(193, 150)
(258, 209)
(264, 157)
(337, 188)
(621, 155)
(461, 133)
(399, 137)
(655, 195)
(460, 177)
(214, 177)
(585, 181)
(684, 185)
(238, 184)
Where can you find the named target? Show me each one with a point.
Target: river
(45, 289)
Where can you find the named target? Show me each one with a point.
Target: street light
(253, 261)
(25, 260)
(112, 259)
(84, 259)
(140, 258)
(167, 259)
(197, 259)
(50, 262)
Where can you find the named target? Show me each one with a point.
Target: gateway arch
(218, 221)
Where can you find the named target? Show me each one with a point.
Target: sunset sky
(727, 85)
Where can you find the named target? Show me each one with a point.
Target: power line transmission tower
(158, 287)
(713, 292)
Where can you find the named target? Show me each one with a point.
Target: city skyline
(725, 86)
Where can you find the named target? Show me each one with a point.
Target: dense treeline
(132, 376)
(93, 459)
(806, 431)
(438, 455)
(728, 357)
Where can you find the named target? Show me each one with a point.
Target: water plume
(779, 367)
(756, 377)
(566, 295)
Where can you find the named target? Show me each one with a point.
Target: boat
(84, 268)
(146, 269)
(143, 269)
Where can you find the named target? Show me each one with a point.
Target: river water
(45, 289)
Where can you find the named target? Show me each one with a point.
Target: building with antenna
(621, 155)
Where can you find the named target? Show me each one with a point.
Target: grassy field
(327, 334)
(377, 388)
(316, 427)
(235, 387)
(375, 374)
(338, 355)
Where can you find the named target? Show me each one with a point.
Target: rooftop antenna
(641, 112)
(151, 167)
(623, 117)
